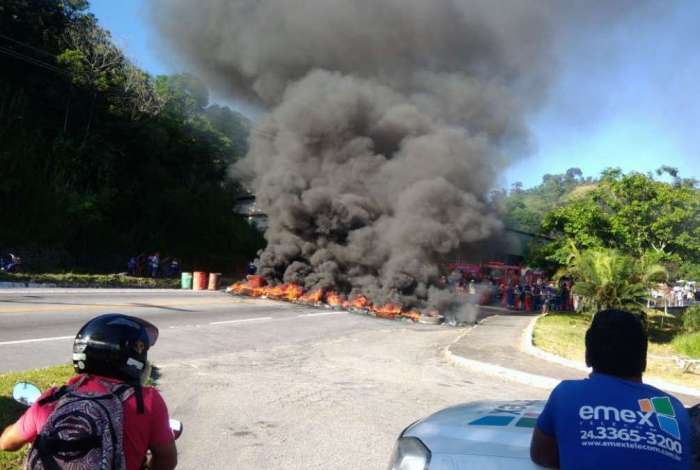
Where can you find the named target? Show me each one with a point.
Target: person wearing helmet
(111, 351)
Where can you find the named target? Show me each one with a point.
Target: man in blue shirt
(612, 420)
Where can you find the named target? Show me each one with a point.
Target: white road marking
(227, 322)
(240, 321)
(36, 340)
(192, 325)
(321, 314)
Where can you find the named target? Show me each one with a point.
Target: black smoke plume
(386, 123)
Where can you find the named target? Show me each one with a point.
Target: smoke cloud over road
(386, 122)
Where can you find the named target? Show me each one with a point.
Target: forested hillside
(525, 209)
(99, 160)
(653, 216)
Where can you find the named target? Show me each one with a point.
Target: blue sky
(628, 96)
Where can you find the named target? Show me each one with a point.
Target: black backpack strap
(138, 391)
(121, 390)
(55, 396)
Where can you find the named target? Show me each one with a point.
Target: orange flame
(387, 311)
(312, 297)
(412, 314)
(237, 287)
(294, 292)
(244, 288)
(275, 292)
(359, 301)
(283, 292)
(256, 286)
(334, 299)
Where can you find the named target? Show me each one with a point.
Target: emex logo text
(659, 407)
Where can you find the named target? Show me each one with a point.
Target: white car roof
(486, 435)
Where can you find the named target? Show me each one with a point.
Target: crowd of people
(539, 296)
(153, 265)
(526, 293)
(682, 294)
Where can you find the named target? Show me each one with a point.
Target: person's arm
(544, 449)
(24, 430)
(12, 438)
(164, 456)
(162, 441)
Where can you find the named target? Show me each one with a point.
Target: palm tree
(606, 278)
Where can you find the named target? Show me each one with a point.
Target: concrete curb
(504, 373)
(26, 285)
(528, 347)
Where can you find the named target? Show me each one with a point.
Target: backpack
(84, 432)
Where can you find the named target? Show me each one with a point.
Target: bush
(687, 344)
(689, 271)
(691, 319)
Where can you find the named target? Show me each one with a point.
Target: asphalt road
(37, 328)
(261, 384)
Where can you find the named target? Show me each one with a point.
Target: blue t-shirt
(608, 423)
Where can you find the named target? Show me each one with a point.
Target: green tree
(99, 160)
(581, 222)
(234, 126)
(184, 95)
(652, 215)
(605, 278)
(632, 213)
(525, 209)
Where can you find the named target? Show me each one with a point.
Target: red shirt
(141, 431)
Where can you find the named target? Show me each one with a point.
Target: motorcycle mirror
(176, 427)
(26, 393)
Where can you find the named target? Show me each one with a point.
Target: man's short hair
(616, 344)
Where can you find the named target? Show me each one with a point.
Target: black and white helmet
(114, 345)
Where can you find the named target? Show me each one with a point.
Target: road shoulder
(502, 346)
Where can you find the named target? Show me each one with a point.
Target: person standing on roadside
(612, 420)
(154, 264)
(510, 295)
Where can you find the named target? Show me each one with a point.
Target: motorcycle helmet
(114, 345)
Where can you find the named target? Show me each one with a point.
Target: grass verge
(687, 344)
(563, 334)
(11, 410)
(90, 280)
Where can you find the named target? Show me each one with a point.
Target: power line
(29, 59)
(33, 61)
(29, 46)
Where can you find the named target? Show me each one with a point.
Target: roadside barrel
(186, 281)
(200, 280)
(255, 281)
(214, 281)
